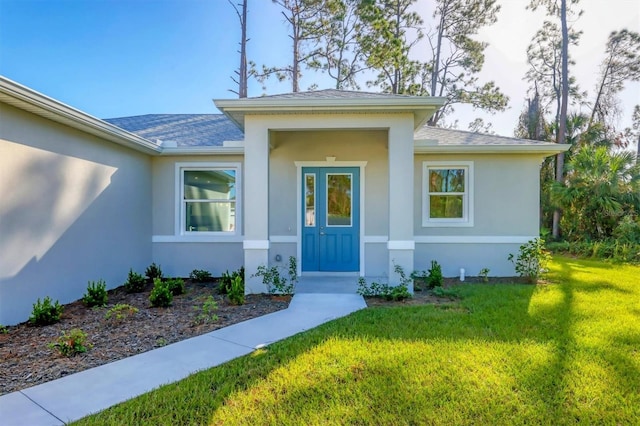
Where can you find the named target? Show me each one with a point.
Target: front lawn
(557, 353)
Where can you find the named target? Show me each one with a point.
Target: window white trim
(179, 215)
(468, 201)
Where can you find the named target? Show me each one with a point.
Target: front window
(447, 194)
(209, 199)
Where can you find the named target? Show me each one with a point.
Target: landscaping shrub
(45, 312)
(153, 271)
(227, 278)
(236, 292)
(532, 259)
(96, 294)
(627, 231)
(175, 285)
(484, 275)
(75, 342)
(207, 311)
(120, 312)
(3, 329)
(386, 291)
(161, 296)
(135, 282)
(200, 275)
(434, 277)
(276, 284)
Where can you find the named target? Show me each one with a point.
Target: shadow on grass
(499, 313)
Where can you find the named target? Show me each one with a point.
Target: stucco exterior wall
(74, 208)
(179, 255)
(505, 215)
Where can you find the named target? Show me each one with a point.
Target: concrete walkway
(78, 395)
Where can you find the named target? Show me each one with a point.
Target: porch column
(401, 243)
(256, 203)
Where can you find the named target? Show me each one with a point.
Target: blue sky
(114, 58)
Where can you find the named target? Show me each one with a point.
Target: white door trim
(299, 165)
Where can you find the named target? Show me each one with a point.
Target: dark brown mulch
(26, 360)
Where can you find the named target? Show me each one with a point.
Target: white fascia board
(546, 149)
(22, 97)
(421, 107)
(203, 150)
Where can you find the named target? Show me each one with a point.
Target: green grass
(560, 353)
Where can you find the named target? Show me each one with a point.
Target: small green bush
(73, 343)
(200, 275)
(276, 284)
(386, 291)
(207, 311)
(236, 292)
(3, 329)
(161, 296)
(484, 275)
(434, 277)
(45, 312)
(227, 280)
(96, 294)
(153, 271)
(627, 231)
(532, 259)
(120, 312)
(135, 282)
(175, 285)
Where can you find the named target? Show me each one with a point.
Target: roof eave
(203, 150)
(29, 100)
(421, 107)
(540, 149)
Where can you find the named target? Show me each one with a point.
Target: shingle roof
(461, 137)
(185, 130)
(333, 94)
(181, 129)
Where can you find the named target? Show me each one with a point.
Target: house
(349, 183)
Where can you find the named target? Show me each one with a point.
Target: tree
(558, 8)
(338, 51)
(620, 65)
(301, 15)
(242, 72)
(393, 29)
(456, 58)
(600, 188)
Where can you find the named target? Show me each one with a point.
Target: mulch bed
(26, 360)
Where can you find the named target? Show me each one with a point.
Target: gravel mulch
(26, 360)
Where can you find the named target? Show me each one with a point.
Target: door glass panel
(339, 199)
(310, 199)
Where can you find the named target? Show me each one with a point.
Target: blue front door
(330, 219)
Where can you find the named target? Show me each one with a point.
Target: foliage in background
(135, 282)
(72, 343)
(96, 294)
(161, 295)
(45, 312)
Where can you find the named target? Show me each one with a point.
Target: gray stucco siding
(470, 256)
(74, 208)
(179, 259)
(505, 193)
(350, 145)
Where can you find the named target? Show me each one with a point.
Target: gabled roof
(181, 130)
(331, 101)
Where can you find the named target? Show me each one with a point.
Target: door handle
(321, 233)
